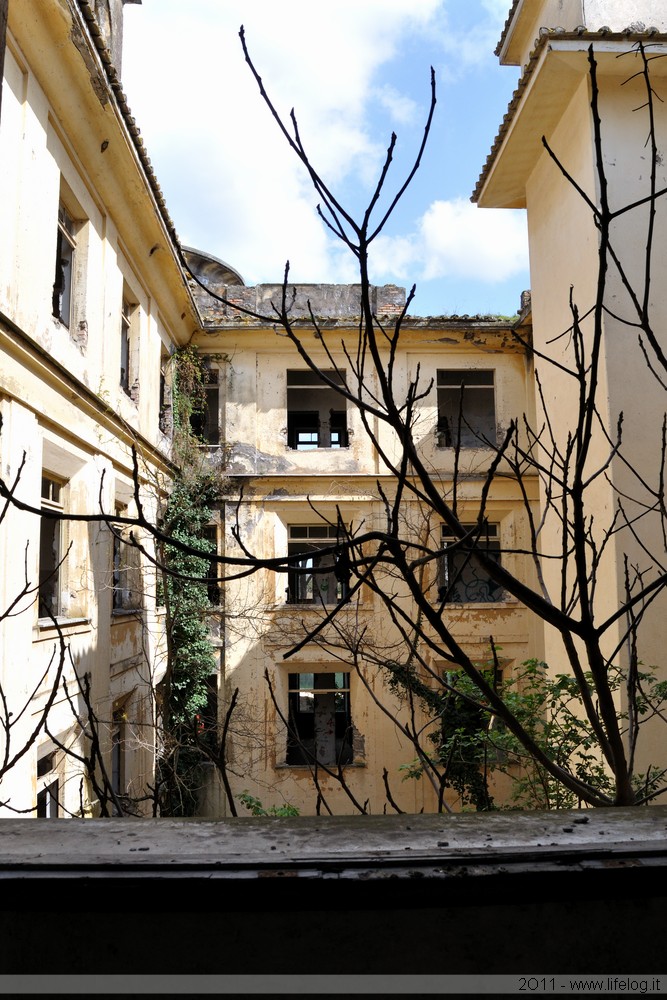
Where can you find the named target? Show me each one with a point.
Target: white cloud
(455, 239)
(402, 109)
(232, 185)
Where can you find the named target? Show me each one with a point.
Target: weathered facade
(92, 302)
(297, 459)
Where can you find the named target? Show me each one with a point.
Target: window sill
(125, 612)
(61, 622)
(506, 602)
(309, 767)
(308, 606)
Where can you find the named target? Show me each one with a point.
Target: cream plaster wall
(279, 485)
(61, 400)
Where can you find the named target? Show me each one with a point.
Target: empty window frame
(304, 584)
(126, 569)
(462, 579)
(118, 762)
(64, 276)
(320, 722)
(205, 421)
(316, 415)
(48, 786)
(126, 321)
(206, 719)
(165, 420)
(466, 409)
(50, 549)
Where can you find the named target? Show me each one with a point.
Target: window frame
(306, 750)
(476, 430)
(325, 428)
(205, 424)
(126, 565)
(48, 784)
(302, 589)
(455, 567)
(63, 284)
(50, 582)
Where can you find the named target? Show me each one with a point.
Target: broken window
(462, 579)
(466, 409)
(127, 580)
(316, 415)
(206, 719)
(320, 723)
(118, 752)
(205, 421)
(165, 422)
(305, 585)
(64, 277)
(48, 786)
(126, 315)
(50, 549)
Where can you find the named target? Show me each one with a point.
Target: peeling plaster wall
(61, 400)
(281, 486)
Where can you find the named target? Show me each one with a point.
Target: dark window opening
(127, 582)
(214, 590)
(47, 801)
(466, 409)
(205, 422)
(314, 415)
(305, 585)
(125, 334)
(118, 752)
(62, 284)
(47, 796)
(462, 577)
(320, 722)
(50, 550)
(165, 417)
(207, 718)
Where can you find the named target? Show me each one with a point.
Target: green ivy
(195, 491)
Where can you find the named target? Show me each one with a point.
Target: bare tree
(404, 561)
(403, 566)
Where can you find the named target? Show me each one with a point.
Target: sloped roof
(547, 35)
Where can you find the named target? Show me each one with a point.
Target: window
(316, 416)
(462, 579)
(320, 723)
(126, 569)
(125, 333)
(304, 584)
(165, 419)
(50, 549)
(118, 752)
(64, 277)
(207, 718)
(466, 409)
(210, 534)
(205, 422)
(48, 786)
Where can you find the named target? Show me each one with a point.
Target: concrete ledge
(563, 892)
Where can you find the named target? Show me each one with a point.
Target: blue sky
(354, 71)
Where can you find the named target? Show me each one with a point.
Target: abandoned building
(95, 299)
